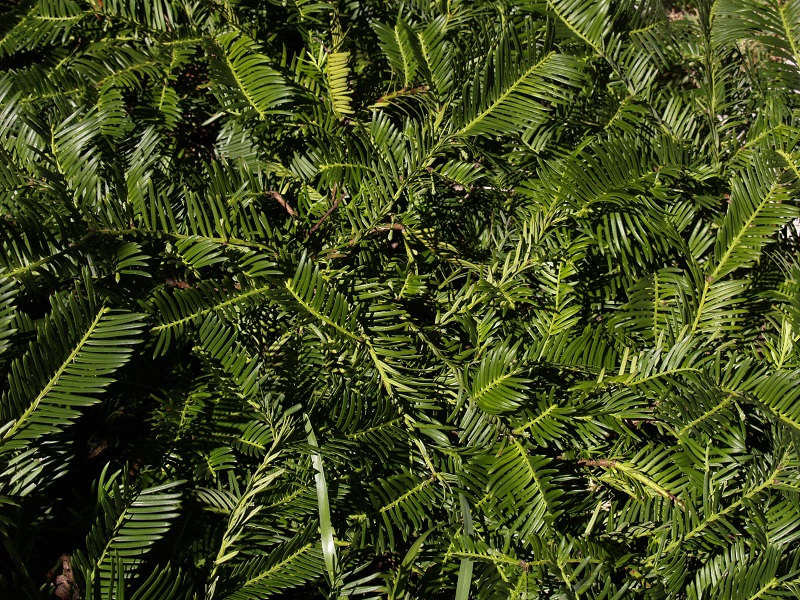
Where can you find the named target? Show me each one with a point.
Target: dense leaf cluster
(405, 299)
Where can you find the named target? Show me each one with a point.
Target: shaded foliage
(399, 299)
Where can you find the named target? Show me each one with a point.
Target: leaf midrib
(487, 112)
(54, 380)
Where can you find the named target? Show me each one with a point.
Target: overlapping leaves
(494, 300)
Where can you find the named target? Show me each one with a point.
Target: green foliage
(400, 300)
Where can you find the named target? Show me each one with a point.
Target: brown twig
(393, 226)
(336, 202)
(283, 203)
(378, 229)
(601, 462)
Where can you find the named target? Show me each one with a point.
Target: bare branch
(283, 203)
(336, 202)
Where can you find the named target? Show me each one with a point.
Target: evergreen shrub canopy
(406, 299)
